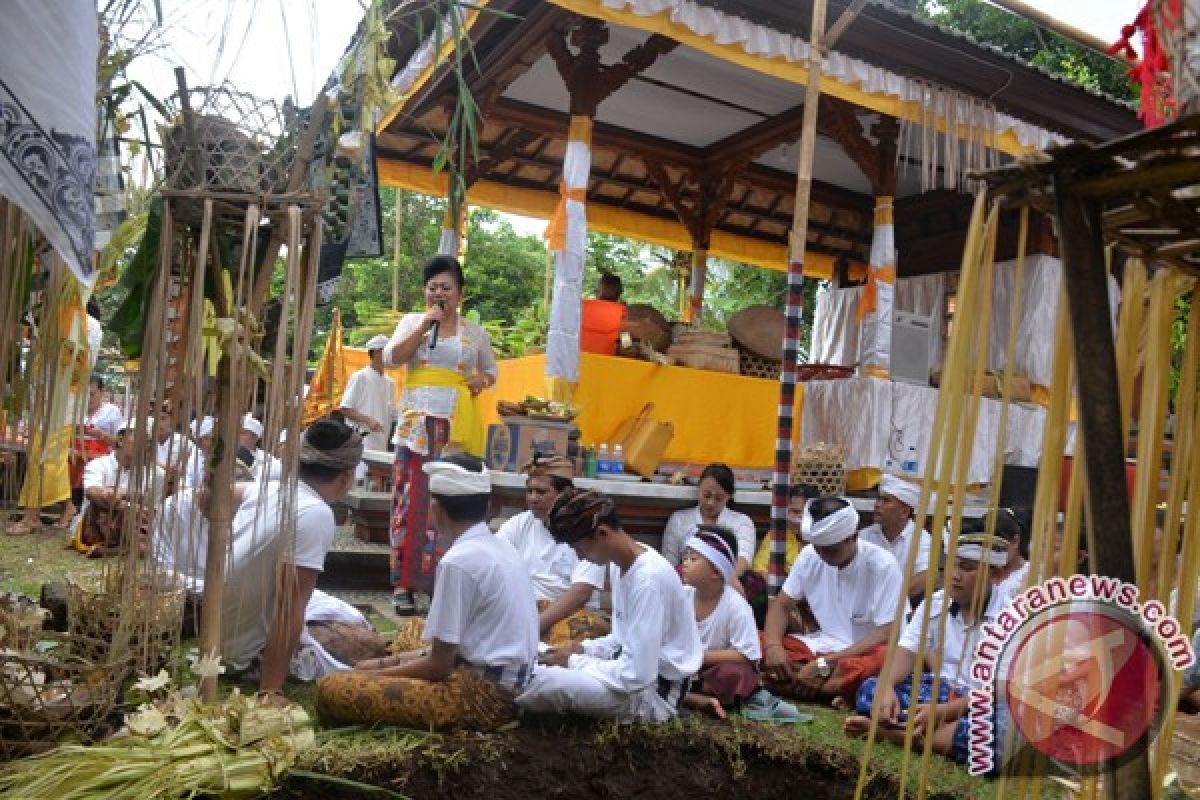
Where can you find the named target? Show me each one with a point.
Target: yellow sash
(466, 427)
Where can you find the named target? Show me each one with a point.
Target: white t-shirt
(105, 472)
(179, 539)
(682, 524)
(261, 542)
(653, 630)
(730, 625)
(552, 567)
(848, 603)
(1015, 584)
(107, 418)
(900, 548)
(483, 602)
(374, 394)
(960, 641)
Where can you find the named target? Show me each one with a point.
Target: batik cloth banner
(48, 121)
(567, 235)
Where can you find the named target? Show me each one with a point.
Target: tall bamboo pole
(781, 481)
(396, 257)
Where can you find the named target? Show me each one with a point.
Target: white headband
(715, 557)
(833, 529)
(452, 480)
(906, 492)
(249, 423)
(204, 427)
(979, 547)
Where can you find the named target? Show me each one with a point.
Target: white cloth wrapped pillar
(878, 300)
(567, 238)
(450, 240)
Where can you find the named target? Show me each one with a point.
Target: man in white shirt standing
(481, 628)
(894, 530)
(369, 400)
(274, 561)
(966, 607)
(562, 583)
(852, 588)
(641, 670)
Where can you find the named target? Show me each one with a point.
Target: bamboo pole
(781, 480)
(396, 256)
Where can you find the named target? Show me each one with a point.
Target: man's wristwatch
(824, 668)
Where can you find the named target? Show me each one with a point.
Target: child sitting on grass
(728, 676)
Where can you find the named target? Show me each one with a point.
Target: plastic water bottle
(618, 460)
(603, 464)
(910, 462)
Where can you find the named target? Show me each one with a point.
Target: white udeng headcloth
(906, 492)
(452, 480)
(833, 529)
(981, 548)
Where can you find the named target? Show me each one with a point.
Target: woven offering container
(21, 622)
(147, 617)
(717, 359)
(55, 691)
(755, 366)
(241, 142)
(822, 466)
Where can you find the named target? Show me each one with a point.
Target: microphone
(433, 329)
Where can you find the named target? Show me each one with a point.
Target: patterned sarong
(415, 550)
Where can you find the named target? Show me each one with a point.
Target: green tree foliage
(1020, 37)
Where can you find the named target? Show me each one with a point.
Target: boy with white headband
(893, 528)
(852, 589)
(642, 669)
(960, 604)
(728, 675)
(481, 629)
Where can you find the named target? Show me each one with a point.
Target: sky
(276, 48)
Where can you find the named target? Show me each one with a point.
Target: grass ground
(695, 757)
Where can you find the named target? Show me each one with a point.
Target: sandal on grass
(766, 707)
(403, 605)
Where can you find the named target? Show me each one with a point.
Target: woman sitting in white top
(716, 489)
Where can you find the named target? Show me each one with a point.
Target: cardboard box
(512, 443)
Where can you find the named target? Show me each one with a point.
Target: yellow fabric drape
(556, 228)
(466, 429)
(717, 416)
(325, 391)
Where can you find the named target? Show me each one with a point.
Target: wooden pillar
(1110, 546)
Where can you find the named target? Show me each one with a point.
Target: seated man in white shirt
(852, 588)
(122, 483)
(966, 606)
(194, 467)
(481, 628)
(894, 529)
(263, 465)
(274, 561)
(641, 670)
(562, 583)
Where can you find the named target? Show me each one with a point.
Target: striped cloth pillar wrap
(781, 479)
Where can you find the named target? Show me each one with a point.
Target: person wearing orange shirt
(603, 317)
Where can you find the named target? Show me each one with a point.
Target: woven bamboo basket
(149, 619)
(56, 690)
(717, 359)
(21, 622)
(822, 466)
(755, 366)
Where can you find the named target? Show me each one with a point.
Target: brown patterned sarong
(464, 701)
